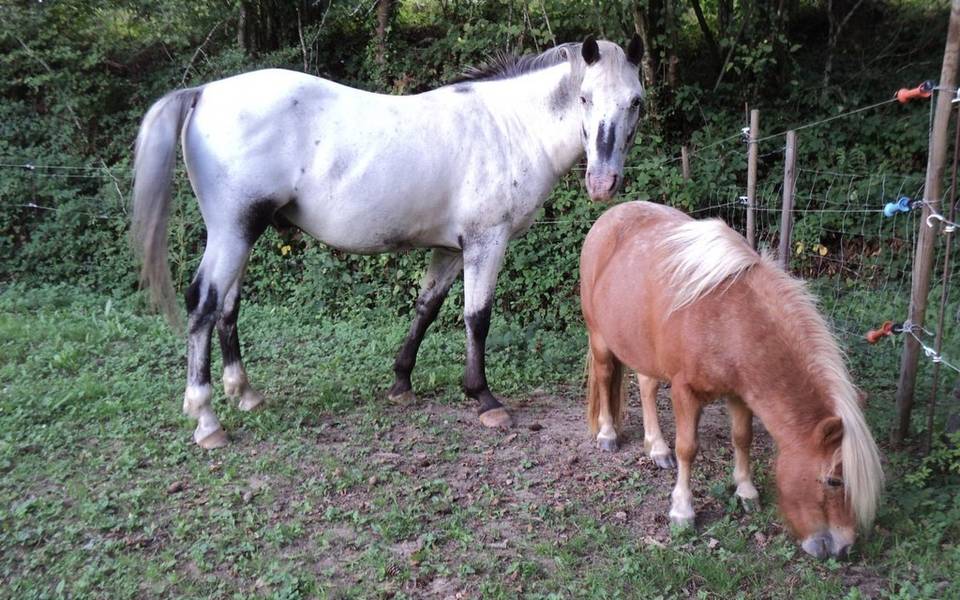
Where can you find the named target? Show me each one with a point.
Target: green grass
(303, 504)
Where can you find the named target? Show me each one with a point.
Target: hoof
(749, 504)
(681, 522)
(607, 444)
(496, 418)
(251, 400)
(403, 398)
(217, 439)
(664, 461)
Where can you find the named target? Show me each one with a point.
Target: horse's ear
(829, 432)
(590, 50)
(635, 50)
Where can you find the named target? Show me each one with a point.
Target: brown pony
(691, 303)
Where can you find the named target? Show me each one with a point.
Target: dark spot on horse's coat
(560, 97)
(316, 142)
(516, 183)
(206, 314)
(478, 326)
(192, 295)
(605, 141)
(227, 331)
(257, 218)
(463, 89)
(303, 170)
(583, 131)
(296, 102)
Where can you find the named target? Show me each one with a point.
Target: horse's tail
(154, 158)
(616, 391)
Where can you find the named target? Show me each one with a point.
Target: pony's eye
(636, 102)
(834, 482)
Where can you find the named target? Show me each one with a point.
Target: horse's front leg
(444, 267)
(741, 426)
(482, 257)
(686, 410)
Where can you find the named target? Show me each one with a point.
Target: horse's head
(611, 99)
(812, 492)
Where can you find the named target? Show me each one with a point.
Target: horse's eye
(834, 482)
(636, 102)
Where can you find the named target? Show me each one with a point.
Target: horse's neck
(541, 111)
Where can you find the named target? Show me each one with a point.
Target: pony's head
(611, 102)
(830, 484)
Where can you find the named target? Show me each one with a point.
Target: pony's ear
(829, 432)
(635, 50)
(590, 50)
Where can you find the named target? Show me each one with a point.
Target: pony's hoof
(607, 444)
(496, 418)
(681, 522)
(217, 439)
(664, 461)
(749, 505)
(403, 398)
(250, 400)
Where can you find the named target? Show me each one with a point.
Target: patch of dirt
(546, 466)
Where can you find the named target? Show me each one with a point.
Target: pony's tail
(617, 392)
(154, 158)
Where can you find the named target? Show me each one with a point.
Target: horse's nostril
(842, 553)
(613, 183)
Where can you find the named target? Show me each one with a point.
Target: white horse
(461, 170)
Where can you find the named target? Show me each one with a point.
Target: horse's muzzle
(602, 186)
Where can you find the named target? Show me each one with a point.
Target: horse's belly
(366, 225)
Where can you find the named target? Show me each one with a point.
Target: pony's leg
(653, 441)
(741, 425)
(482, 257)
(445, 265)
(235, 382)
(603, 368)
(686, 409)
(223, 261)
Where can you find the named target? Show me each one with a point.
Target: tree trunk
(384, 8)
(707, 34)
(645, 27)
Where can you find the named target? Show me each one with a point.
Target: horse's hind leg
(223, 261)
(444, 267)
(235, 382)
(741, 425)
(653, 442)
(686, 409)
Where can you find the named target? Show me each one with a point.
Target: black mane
(503, 65)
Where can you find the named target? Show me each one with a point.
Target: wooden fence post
(685, 162)
(752, 177)
(789, 185)
(923, 258)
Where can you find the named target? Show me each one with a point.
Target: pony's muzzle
(602, 186)
(828, 543)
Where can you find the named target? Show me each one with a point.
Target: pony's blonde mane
(700, 256)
